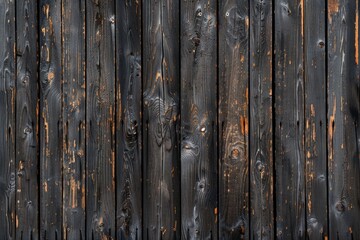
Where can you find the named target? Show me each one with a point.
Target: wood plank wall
(184, 119)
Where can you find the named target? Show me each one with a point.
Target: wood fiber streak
(261, 134)
(315, 119)
(7, 119)
(128, 119)
(343, 125)
(27, 128)
(199, 190)
(51, 130)
(233, 119)
(161, 120)
(100, 119)
(289, 118)
(73, 61)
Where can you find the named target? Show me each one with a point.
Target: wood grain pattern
(7, 119)
(100, 119)
(128, 119)
(343, 126)
(261, 124)
(51, 130)
(315, 119)
(27, 120)
(199, 190)
(289, 119)
(161, 120)
(73, 62)
(233, 119)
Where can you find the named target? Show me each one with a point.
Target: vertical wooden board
(199, 190)
(50, 120)
(7, 119)
(100, 130)
(73, 61)
(315, 119)
(128, 119)
(289, 118)
(261, 134)
(161, 119)
(233, 119)
(343, 125)
(27, 108)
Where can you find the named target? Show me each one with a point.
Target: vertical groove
(217, 115)
(249, 117)
(273, 114)
(115, 116)
(327, 120)
(85, 119)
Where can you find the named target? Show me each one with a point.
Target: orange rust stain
(244, 125)
(242, 58)
(331, 130)
(158, 76)
(312, 110)
(302, 17)
(333, 7)
(50, 76)
(45, 187)
(73, 188)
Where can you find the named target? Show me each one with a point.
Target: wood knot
(340, 206)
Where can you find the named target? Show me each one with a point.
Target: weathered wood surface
(315, 119)
(161, 120)
(128, 119)
(51, 129)
(261, 123)
(199, 190)
(289, 120)
(134, 119)
(27, 119)
(233, 120)
(100, 119)
(73, 62)
(343, 116)
(7, 119)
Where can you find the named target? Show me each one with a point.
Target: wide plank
(161, 89)
(199, 153)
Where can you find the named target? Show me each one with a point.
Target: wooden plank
(315, 119)
(233, 119)
(199, 190)
(27, 119)
(261, 135)
(50, 120)
(7, 119)
(73, 61)
(128, 118)
(289, 118)
(343, 125)
(161, 119)
(100, 119)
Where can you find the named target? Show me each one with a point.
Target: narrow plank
(261, 135)
(100, 119)
(7, 119)
(50, 120)
(73, 61)
(343, 125)
(27, 119)
(289, 119)
(161, 119)
(233, 119)
(128, 118)
(199, 190)
(315, 119)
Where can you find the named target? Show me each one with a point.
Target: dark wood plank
(289, 119)
(233, 119)
(27, 119)
(343, 117)
(261, 124)
(315, 119)
(161, 119)
(50, 120)
(100, 119)
(73, 61)
(199, 190)
(128, 119)
(7, 119)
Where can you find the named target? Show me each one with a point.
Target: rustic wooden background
(179, 119)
